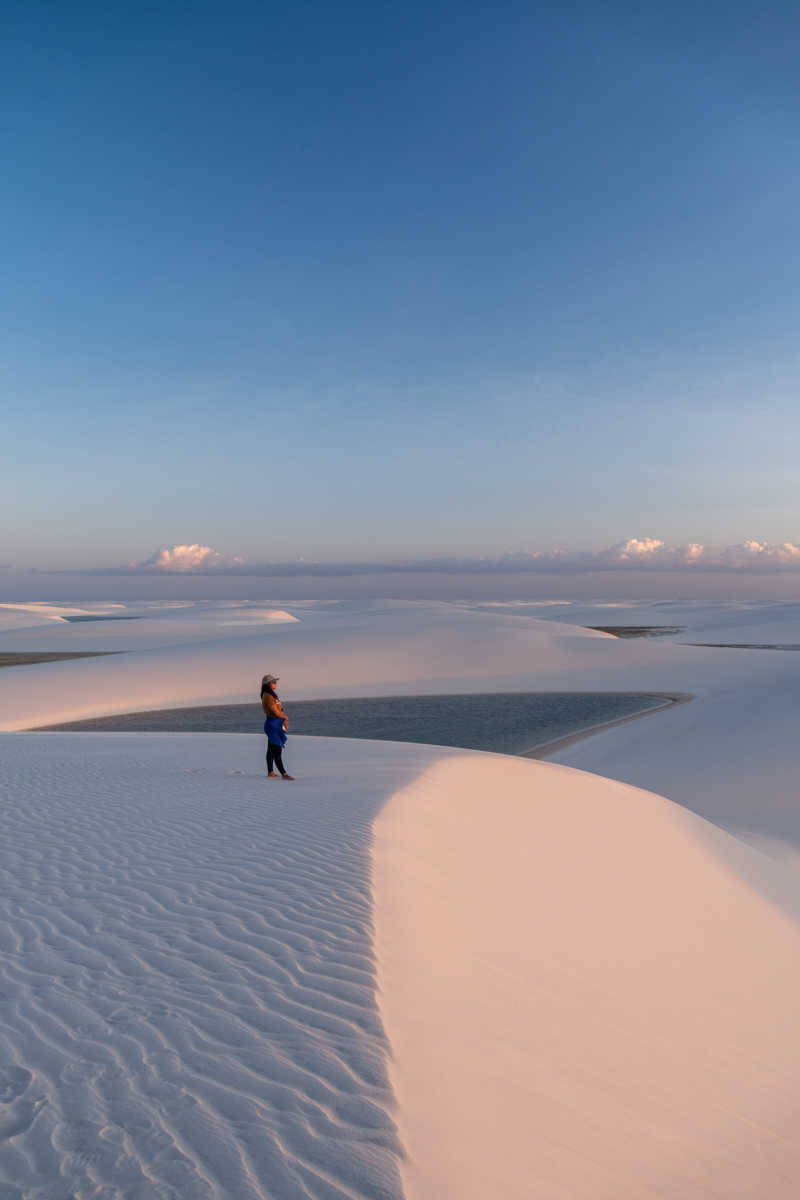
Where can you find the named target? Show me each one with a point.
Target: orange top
(273, 708)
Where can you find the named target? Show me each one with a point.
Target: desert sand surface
(187, 978)
(632, 1033)
(416, 971)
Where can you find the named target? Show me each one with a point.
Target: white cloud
(633, 550)
(187, 557)
(638, 548)
(650, 551)
(764, 554)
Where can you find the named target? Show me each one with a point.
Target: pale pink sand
(584, 997)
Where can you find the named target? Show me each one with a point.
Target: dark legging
(275, 756)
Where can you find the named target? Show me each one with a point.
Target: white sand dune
(730, 755)
(343, 650)
(580, 990)
(583, 991)
(380, 650)
(129, 626)
(586, 991)
(187, 976)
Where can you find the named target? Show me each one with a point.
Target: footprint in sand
(13, 1082)
(19, 1117)
(79, 1072)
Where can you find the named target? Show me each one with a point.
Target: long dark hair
(268, 687)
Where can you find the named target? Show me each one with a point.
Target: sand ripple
(187, 980)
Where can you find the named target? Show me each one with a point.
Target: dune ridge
(585, 993)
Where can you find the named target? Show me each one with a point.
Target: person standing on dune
(275, 725)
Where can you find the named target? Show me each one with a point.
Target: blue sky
(362, 282)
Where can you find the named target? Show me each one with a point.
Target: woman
(275, 725)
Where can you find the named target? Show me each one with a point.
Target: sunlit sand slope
(587, 993)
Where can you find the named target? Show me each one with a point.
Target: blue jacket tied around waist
(276, 734)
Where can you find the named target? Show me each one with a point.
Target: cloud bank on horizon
(187, 556)
(194, 558)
